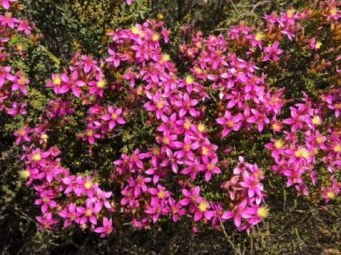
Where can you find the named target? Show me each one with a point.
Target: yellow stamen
(302, 153)
(290, 13)
(316, 120)
(337, 148)
(263, 212)
(331, 195)
(259, 36)
(57, 80)
(279, 144)
(88, 185)
(101, 84)
(203, 206)
(187, 124)
(36, 157)
(201, 127)
(318, 45)
(156, 37)
(88, 212)
(25, 174)
(161, 194)
(189, 80)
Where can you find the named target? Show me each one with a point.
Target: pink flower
(114, 117)
(203, 211)
(272, 52)
(69, 214)
(6, 3)
(106, 228)
(230, 122)
(185, 105)
(89, 212)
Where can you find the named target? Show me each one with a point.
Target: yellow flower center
(319, 139)
(187, 147)
(156, 151)
(135, 30)
(88, 212)
(318, 45)
(89, 132)
(25, 174)
(101, 84)
(187, 124)
(201, 127)
(161, 194)
(337, 148)
(166, 140)
(331, 195)
(160, 104)
(210, 166)
(36, 157)
(259, 36)
(230, 123)
(203, 206)
(114, 116)
(316, 120)
(22, 80)
(276, 126)
(189, 79)
(302, 153)
(165, 58)
(21, 131)
(263, 212)
(290, 13)
(57, 80)
(44, 137)
(205, 150)
(88, 184)
(333, 11)
(156, 37)
(279, 144)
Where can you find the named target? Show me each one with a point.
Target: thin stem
(228, 239)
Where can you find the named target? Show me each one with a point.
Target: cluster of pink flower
(100, 121)
(169, 178)
(308, 144)
(245, 99)
(63, 196)
(246, 191)
(13, 85)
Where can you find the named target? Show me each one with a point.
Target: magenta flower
(22, 134)
(89, 212)
(272, 52)
(238, 213)
(69, 214)
(114, 117)
(230, 122)
(46, 221)
(106, 228)
(203, 210)
(176, 209)
(187, 147)
(6, 3)
(20, 82)
(24, 25)
(46, 201)
(59, 83)
(186, 105)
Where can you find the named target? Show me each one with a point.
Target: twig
(234, 7)
(259, 4)
(228, 239)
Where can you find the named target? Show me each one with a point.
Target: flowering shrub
(192, 106)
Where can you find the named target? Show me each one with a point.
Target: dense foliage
(126, 132)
